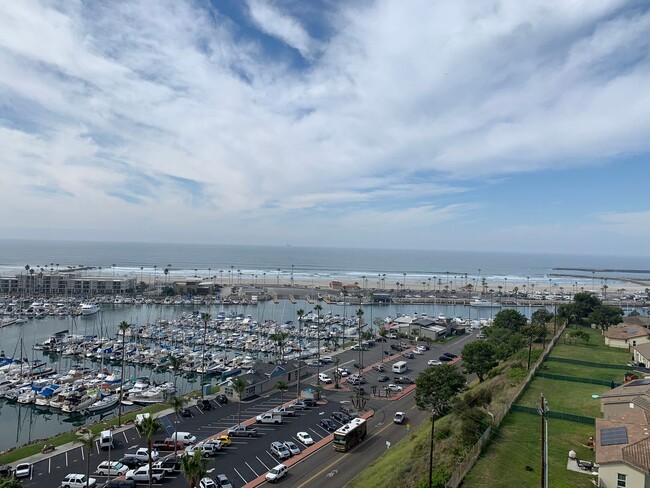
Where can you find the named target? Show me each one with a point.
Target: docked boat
(480, 302)
(89, 308)
(106, 403)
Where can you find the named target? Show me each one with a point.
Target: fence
(589, 363)
(576, 379)
(468, 462)
(555, 415)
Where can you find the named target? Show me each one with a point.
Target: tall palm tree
(177, 403)
(194, 468)
(281, 386)
(123, 327)
(359, 314)
(383, 333)
(301, 314)
(175, 364)
(148, 428)
(280, 339)
(87, 440)
(318, 308)
(239, 384)
(206, 317)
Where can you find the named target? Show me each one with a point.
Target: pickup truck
(269, 418)
(142, 474)
(284, 411)
(142, 454)
(242, 431)
(168, 445)
(404, 380)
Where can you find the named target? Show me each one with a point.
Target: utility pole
(543, 412)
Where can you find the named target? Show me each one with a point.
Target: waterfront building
(63, 283)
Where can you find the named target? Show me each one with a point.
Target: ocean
(270, 263)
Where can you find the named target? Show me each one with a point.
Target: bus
(350, 434)
(400, 367)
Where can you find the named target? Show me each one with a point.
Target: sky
(493, 125)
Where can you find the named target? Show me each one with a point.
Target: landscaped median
(303, 454)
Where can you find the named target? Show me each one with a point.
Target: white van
(400, 367)
(105, 439)
(184, 437)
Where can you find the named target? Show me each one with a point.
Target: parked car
(404, 380)
(142, 474)
(408, 355)
(168, 445)
(325, 378)
(399, 417)
(299, 405)
(417, 351)
(310, 402)
(112, 468)
(276, 473)
(119, 484)
(450, 355)
(328, 424)
(378, 367)
(387, 353)
(204, 404)
(305, 438)
(423, 347)
(78, 481)
(132, 462)
(292, 447)
(343, 371)
(223, 481)
(326, 359)
(279, 450)
(186, 413)
(284, 411)
(191, 450)
(221, 399)
(207, 482)
(143, 454)
(224, 440)
(383, 378)
(23, 470)
(242, 431)
(434, 362)
(169, 464)
(394, 388)
(444, 358)
(341, 417)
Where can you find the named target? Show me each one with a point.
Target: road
(248, 458)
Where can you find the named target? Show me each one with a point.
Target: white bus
(400, 367)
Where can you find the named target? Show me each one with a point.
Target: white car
(417, 351)
(343, 371)
(23, 470)
(399, 417)
(207, 483)
(78, 481)
(112, 468)
(190, 450)
(394, 388)
(305, 438)
(434, 362)
(276, 473)
(324, 378)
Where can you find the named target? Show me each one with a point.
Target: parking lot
(246, 458)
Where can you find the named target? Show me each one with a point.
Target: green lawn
(517, 445)
(576, 370)
(595, 350)
(564, 396)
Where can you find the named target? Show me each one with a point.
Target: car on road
(305, 438)
(341, 417)
(423, 347)
(23, 470)
(74, 480)
(207, 482)
(394, 388)
(378, 367)
(417, 351)
(399, 417)
(434, 362)
(326, 359)
(383, 378)
(223, 481)
(408, 355)
(325, 378)
(328, 424)
(131, 462)
(279, 450)
(314, 363)
(112, 468)
(293, 448)
(450, 355)
(221, 399)
(276, 473)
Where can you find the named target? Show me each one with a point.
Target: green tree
(383, 333)
(239, 385)
(10, 483)
(176, 403)
(148, 428)
(533, 333)
(435, 389)
(281, 386)
(479, 357)
(87, 439)
(541, 317)
(509, 319)
(194, 468)
(280, 339)
(580, 335)
(504, 341)
(604, 316)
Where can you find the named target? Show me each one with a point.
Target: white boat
(480, 302)
(89, 308)
(105, 403)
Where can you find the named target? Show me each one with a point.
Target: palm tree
(206, 317)
(239, 385)
(175, 364)
(148, 428)
(87, 440)
(281, 386)
(318, 308)
(383, 333)
(177, 403)
(280, 339)
(301, 314)
(359, 314)
(123, 327)
(194, 468)
(10, 483)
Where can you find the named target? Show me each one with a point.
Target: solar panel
(613, 436)
(641, 382)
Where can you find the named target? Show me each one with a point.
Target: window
(621, 480)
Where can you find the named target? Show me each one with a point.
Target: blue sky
(497, 125)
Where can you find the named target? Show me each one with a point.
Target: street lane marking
(242, 478)
(267, 468)
(249, 467)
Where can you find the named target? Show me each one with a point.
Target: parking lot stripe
(267, 468)
(126, 439)
(49, 465)
(320, 436)
(66, 458)
(249, 467)
(242, 478)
